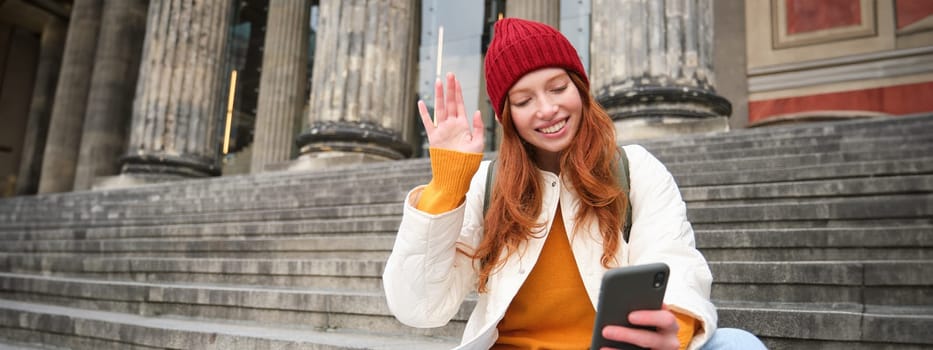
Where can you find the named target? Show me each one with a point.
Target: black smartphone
(627, 289)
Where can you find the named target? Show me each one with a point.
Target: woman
(555, 216)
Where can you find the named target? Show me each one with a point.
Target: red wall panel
(899, 99)
(809, 15)
(911, 11)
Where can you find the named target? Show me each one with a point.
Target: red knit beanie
(519, 47)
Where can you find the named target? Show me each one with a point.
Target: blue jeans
(733, 338)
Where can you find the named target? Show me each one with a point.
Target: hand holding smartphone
(627, 289)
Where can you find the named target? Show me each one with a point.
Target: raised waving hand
(451, 128)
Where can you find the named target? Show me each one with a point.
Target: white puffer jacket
(426, 280)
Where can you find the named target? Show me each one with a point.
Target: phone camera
(659, 279)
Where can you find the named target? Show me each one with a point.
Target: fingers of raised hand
(479, 129)
(461, 110)
(451, 127)
(425, 116)
(440, 113)
(452, 97)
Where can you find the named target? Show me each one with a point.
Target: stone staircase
(819, 236)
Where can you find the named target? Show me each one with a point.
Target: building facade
(98, 93)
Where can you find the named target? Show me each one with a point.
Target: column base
(131, 180)
(657, 127)
(649, 109)
(623, 101)
(325, 160)
(343, 138)
(169, 166)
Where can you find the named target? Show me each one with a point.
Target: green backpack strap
(490, 174)
(624, 182)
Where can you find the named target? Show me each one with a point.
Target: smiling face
(546, 108)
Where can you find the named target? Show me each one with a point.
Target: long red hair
(590, 163)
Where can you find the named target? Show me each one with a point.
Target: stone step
(892, 283)
(321, 207)
(351, 275)
(95, 329)
(198, 187)
(770, 147)
(310, 186)
(815, 224)
(259, 227)
(723, 205)
(908, 125)
(868, 282)
(284, 207)
(387, 172)
(216, 204)
(814, 244)
(911, 127)
(13, 345)
(357, 275)
(868, 237)
(767, 192)
(907, 206)
(317, 183)
(376, 247)
(831, 322)
(335, 191)
(296, 199)
(284, 200)
(310, 308)
(79, 328)
(860, 242)
(795, 160)
(291, 197)
(777, 138)
(130, 217)
(810, 325)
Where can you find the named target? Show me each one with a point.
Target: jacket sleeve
(662, 233)
(426, 278)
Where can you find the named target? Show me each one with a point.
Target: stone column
(110, 102)
(40, 108)
(61, 150)
(361, 84)
(181, 91)
(283, 80)
(544, 11)
(651, 67)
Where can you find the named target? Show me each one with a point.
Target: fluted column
(110, 102)
(61, 150)
(282, 85)
(361, 81)
(40, 108)
(180, 91)
(652, 67)
(544, 11)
